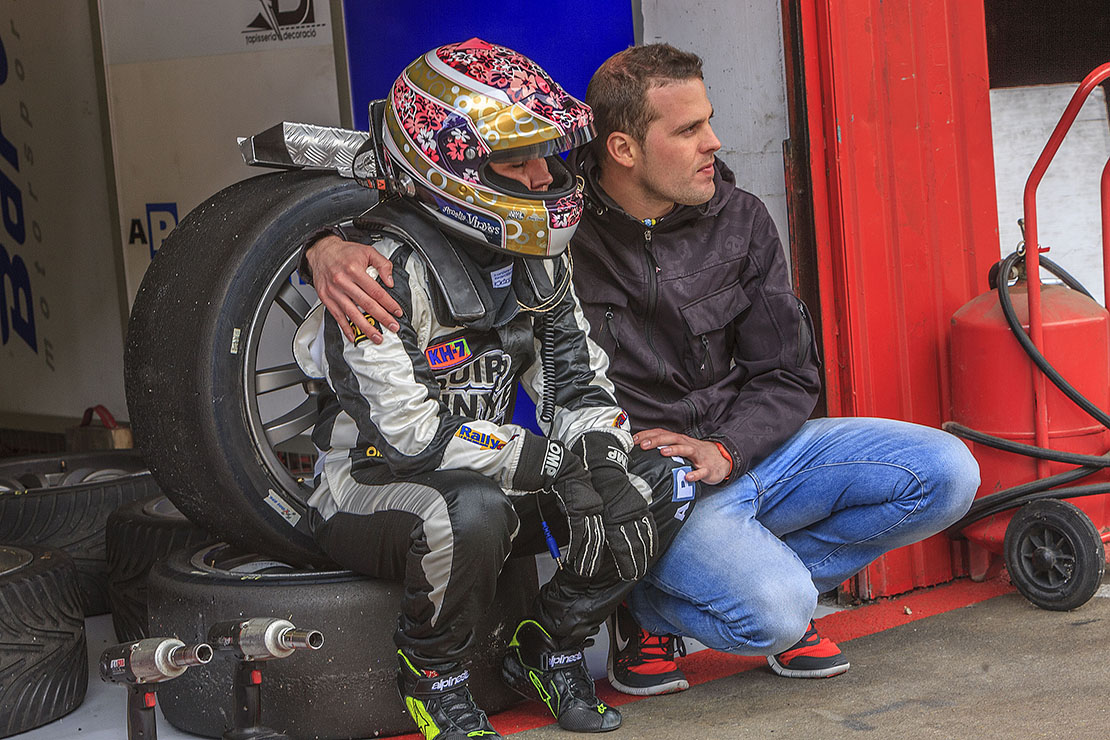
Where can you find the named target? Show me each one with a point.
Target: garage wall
(61, 339)
(169, 86)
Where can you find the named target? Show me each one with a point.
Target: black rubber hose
(1006, 498)
(1044, 487)
(1092, 489)
(1030, 349)
(1019, 448)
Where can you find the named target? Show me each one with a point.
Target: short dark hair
(618, 90)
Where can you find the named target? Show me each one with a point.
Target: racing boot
(440, 703)
(536, 669)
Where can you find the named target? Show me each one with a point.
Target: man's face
(676, 157)
(532, 174)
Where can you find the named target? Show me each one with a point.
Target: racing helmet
(460, 107)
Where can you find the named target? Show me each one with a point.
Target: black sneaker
(440, 703)
(641, 663)
(535, 669)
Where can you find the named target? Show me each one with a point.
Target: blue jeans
(743, 574)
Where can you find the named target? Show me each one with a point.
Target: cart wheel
(1054, 554)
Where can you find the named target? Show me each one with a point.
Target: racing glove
(550, 466)
(629, 526)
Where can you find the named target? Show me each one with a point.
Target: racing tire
(137, 536)
(192, 369)
(44, 669)
(347, 688)
(63, 501)
(1054, 554)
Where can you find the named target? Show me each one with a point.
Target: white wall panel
(741, 45)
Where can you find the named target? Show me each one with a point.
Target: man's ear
(622, 149)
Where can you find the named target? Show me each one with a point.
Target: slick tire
(64, 501)
(346, 689)
(138, 535)
(44, 668)
(193, 371)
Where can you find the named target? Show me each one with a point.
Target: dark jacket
(696, 313)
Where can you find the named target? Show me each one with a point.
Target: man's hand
(710, 466)
(347, 291)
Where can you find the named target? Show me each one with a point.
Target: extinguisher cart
(1035, 440)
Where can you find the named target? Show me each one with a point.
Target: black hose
(1004, 499)
(1030, 349)
(1092, 489)
(1018, 448)
(1044, 487)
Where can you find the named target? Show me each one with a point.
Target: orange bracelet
(727, 456)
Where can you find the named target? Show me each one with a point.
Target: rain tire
(44, 662)
(63, 501)
(137, 536)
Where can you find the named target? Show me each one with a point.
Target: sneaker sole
(670, 687)
(785, 672)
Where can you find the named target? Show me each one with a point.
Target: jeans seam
(918, 499)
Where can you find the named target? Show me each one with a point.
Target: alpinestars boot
(440, 703)
(534, 668)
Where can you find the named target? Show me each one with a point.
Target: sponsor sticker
(447, 354)
(483, 440)
(683, 489)
(502, 278)
(359, 336)
(282, 507)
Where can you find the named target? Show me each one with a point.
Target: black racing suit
(422, 476)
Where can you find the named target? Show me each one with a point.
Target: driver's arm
(337, 269)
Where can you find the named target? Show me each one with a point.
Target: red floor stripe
(709, 665)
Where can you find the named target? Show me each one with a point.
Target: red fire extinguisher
(1033, 440)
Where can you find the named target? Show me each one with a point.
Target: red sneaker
(812, 656)
(641, 663)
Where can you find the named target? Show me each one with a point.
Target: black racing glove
(548, 465)
(629, 526)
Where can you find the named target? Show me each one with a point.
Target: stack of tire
(53, 573)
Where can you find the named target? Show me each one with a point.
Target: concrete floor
(1001, 668)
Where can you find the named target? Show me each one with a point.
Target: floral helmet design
(461, 106)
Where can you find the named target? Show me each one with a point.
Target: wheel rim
(287, 414)
(1047, 556)
(220, 558)
(163, 508)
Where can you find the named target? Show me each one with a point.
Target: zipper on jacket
(805, 335)
(609, 327)
(706, 359)
(653, 298)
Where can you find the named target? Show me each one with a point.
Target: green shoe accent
(424, 722)
(440, 703)
(535, 668)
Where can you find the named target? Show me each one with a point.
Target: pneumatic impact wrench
(250, 642)
(144, 662)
